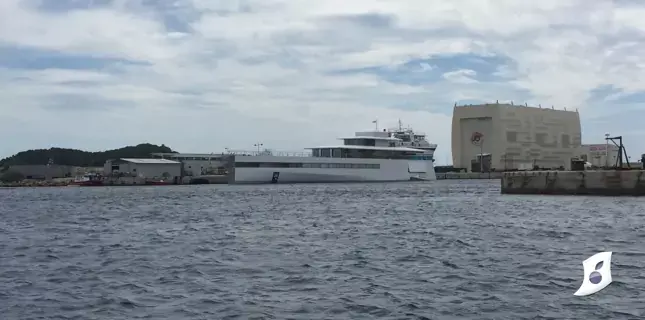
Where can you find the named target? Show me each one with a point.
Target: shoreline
(70, 183)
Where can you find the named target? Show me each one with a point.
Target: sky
(204, 75)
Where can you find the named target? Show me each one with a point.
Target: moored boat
(88, 180)
(158, 182)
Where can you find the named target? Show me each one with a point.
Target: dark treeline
(73, 157)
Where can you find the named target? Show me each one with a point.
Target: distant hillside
(73, 157)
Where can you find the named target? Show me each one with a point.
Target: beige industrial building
(508, 137)
(143, 168)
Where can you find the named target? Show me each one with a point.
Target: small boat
(158, 182)
(88, 180)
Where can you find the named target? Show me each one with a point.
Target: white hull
(388, 170)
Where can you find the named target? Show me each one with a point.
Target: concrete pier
(601, 183)
(468, 175)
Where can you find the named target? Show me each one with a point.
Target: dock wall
(468, 175)
(602, 182)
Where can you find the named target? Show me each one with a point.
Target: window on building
(511, 136)
(540, 138)
(566, 141)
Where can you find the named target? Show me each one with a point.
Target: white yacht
(388, 155)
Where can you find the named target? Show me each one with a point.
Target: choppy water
(446, 250)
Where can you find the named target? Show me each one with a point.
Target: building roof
(511, 106)
(189, 155)
(149, 161)
(402, 149)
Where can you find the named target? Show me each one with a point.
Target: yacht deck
(371, 138)
(399, 149)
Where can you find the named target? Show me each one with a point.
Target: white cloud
(460, 76)
(239, 72)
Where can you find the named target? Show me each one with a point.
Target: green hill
(80, 158)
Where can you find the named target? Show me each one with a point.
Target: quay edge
(468, 175)
(598, 183)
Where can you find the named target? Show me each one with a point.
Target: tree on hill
(11, 176)
(73, 157)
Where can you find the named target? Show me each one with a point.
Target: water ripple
(445, 250)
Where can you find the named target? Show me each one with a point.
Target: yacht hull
(311, 169)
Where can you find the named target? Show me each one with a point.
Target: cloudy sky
(202, 75)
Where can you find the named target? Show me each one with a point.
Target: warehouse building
(509, 137)
(144, 168)
(43, 171)
(196, 164)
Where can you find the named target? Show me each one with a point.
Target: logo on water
(597, 274)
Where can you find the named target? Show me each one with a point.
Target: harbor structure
(43, 171)
(599, 155)
(507, 137)
(144, 168)
(592, 182)
(618, 179)
(198, 164)
(399, 154)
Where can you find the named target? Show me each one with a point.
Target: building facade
(600, 155)
(43, 171)
(510, 137)
(144, 168)
(197, 164)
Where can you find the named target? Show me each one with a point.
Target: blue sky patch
(629, 98)
(609, 100)
(35, 59)
(621, 122)
(365, 20)
(601, 93)
(62, 6)
(175, 18)
(85, 102)
(421, 71)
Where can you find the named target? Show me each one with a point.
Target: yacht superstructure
(414, 139)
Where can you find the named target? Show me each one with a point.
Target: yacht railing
(268, 153)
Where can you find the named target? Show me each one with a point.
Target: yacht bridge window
(405, 138)
(307, 165)
(340, 152)
(360, 142)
